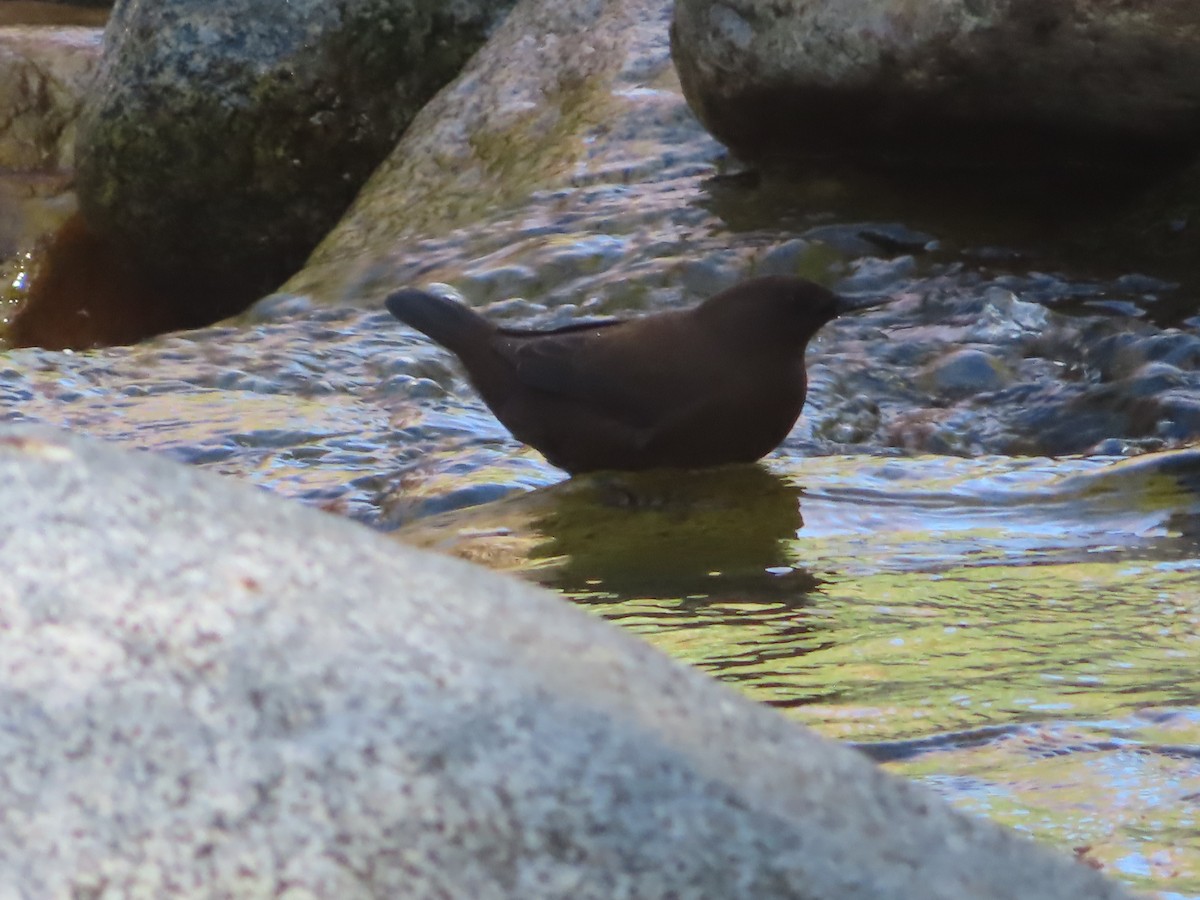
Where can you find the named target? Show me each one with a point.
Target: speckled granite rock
(224, 139)
(205, 691)
(1010, 81)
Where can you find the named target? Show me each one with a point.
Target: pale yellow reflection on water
(1021, 634)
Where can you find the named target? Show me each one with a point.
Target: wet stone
(418, 362)
(847, 239)
(1005, 318)
(994, 254)
(1080, 425)
(277, 307)
(877, 276)
(1181, 415)
(13, 396)
(1045, 369)
(783, 259)
(965, 372)
(470, 495)
(587, 256)
(1053, 291)
(1146, 285)
(899, 238)
(1117, 307)
(1116, 356)
(853, 421)
(241, 381)
(201, 456)
(903, 354)
(1111, 447)
(951, 432)
(1120, 355)
(480, 286)
(711, 275)
(1174, 347)
(1154, 378)
(412, 388)
(516, 308)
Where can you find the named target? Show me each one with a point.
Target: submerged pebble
(964, 372)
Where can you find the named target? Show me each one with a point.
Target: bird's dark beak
(854, 303)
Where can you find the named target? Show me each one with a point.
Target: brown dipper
(720, 383)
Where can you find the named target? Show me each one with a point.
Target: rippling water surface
(1019, 633)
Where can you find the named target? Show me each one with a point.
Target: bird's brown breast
(655, 392)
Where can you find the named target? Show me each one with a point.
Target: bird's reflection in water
(711, 533)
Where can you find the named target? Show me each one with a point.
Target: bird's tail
(453, 325)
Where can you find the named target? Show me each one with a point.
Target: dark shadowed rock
(1018, 82)
(223, 139)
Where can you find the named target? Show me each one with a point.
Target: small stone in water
(964, 372)
(275, 307)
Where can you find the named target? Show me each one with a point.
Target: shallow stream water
(1019, 633)
(1016, 629)
(948, 561)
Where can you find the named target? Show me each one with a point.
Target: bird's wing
(581, 364)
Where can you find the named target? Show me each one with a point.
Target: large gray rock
(223, 139)
(43, 74)
(1015, 81)
(206, 691)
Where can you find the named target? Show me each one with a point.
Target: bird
(719, 383)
